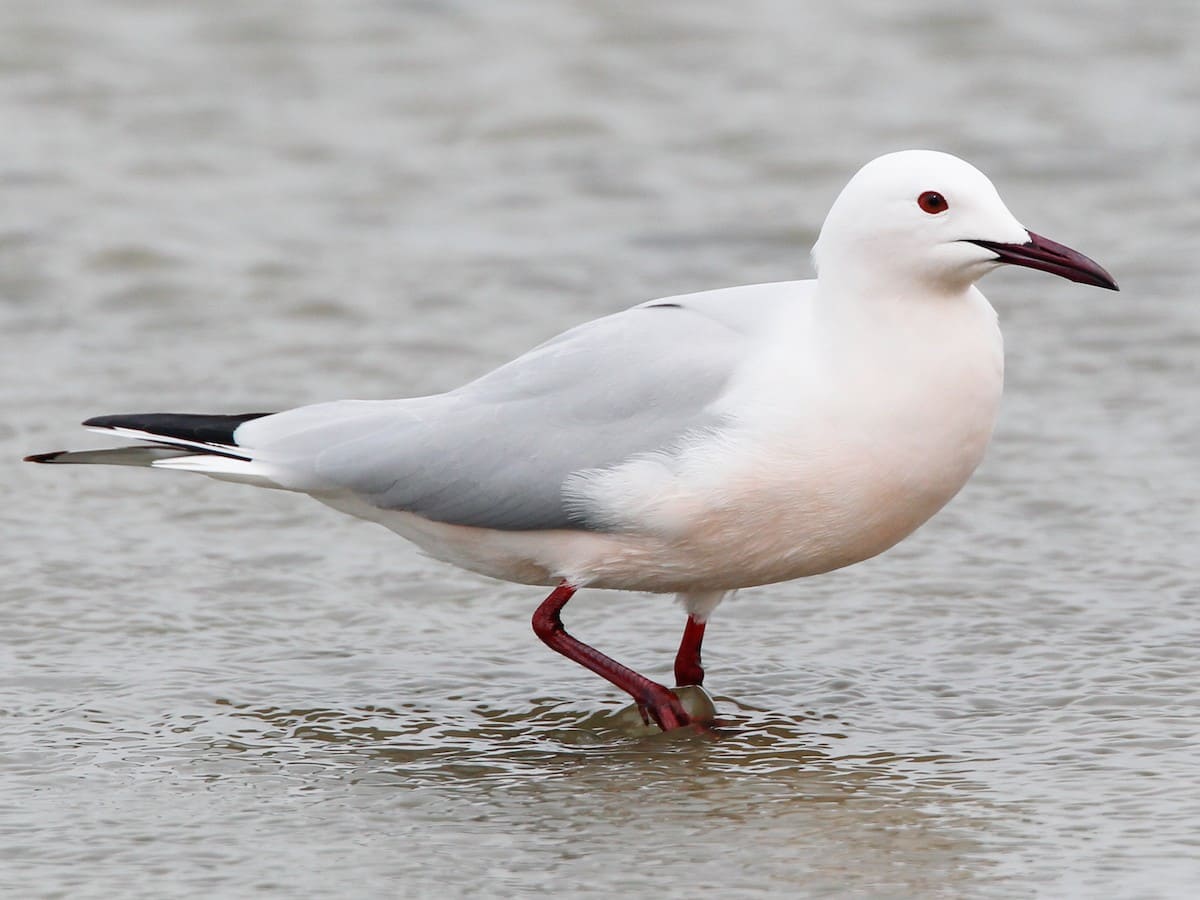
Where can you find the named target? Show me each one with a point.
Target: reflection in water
(852, 820)
(552, 738)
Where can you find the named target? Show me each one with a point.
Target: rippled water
(213, 691)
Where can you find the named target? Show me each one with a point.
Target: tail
(198, 443)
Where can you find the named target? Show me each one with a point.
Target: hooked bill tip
(1046, 255)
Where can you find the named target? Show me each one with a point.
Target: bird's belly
(804, 522)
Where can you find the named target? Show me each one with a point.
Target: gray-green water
(215, 691)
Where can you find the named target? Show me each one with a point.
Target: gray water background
(213, 691)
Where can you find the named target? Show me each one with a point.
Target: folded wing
(496, 452)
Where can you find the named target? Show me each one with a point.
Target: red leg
(687, 661)
(651, 697)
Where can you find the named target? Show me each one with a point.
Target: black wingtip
(208, 429)
(44, 457)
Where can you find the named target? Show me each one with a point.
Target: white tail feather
(245, 471)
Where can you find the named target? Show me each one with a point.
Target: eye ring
(933, 203)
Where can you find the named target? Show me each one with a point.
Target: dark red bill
(1050, 256)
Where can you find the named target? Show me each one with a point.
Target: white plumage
(695, 444)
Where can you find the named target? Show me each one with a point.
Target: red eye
(932, 202)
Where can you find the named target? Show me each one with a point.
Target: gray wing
(496, 452)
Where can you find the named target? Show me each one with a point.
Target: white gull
(691, 445)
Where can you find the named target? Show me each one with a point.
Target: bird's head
(928, 222)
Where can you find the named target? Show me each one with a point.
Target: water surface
(213, 691)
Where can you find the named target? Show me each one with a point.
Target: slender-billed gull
(691, 445)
